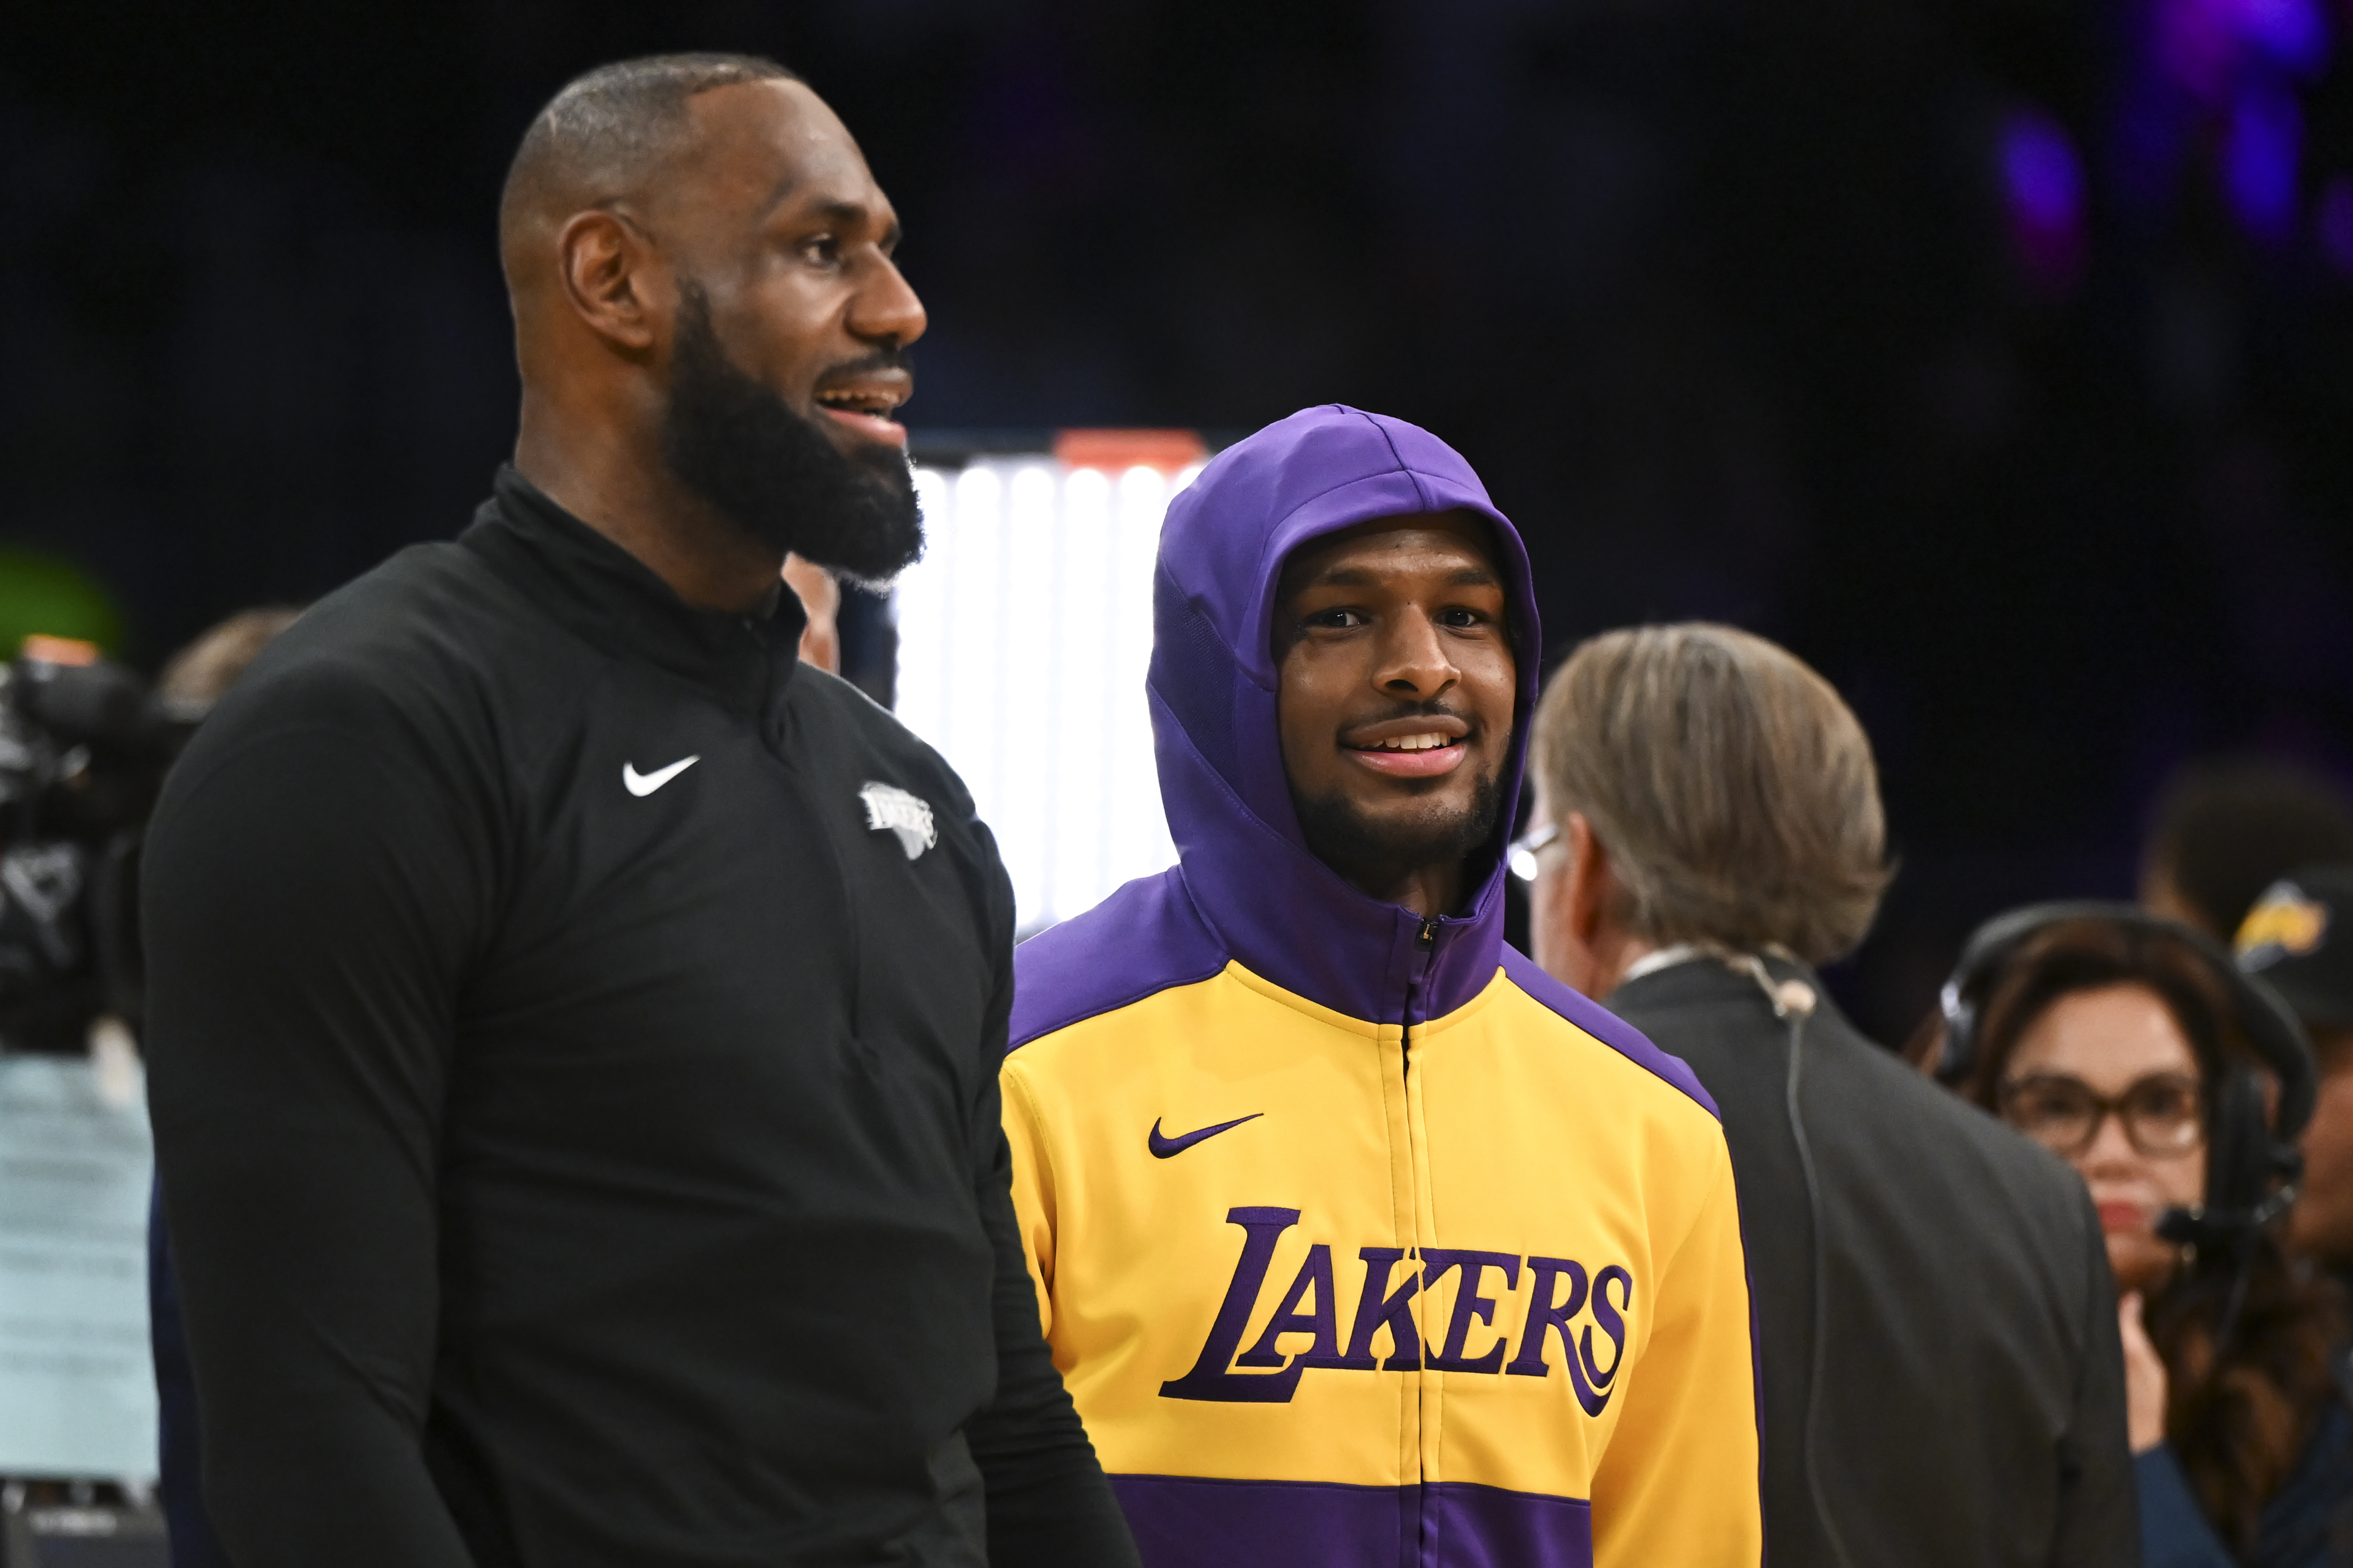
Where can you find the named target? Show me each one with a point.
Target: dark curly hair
(2237, 1414)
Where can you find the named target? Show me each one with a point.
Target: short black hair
(608, 125)
(2226, 829)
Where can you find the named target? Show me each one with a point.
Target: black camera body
(84, 745)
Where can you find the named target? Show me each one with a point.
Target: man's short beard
(1370, 855)
(776, 475)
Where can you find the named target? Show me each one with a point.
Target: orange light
(1166, 450)
(59, 650)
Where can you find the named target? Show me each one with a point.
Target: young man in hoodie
(1358, 1239)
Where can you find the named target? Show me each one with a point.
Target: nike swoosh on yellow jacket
(1459, 1280)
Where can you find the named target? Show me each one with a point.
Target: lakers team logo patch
(1561, 1289)
(905, 816)
(2283, 924)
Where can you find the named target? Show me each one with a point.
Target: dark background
(1998, 357)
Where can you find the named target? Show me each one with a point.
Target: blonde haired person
(1936, 1331)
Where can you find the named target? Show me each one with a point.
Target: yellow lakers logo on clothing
(1561, 1287)
(2283, 924)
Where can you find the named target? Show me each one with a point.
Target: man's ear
(608, 271)
(1592, 881)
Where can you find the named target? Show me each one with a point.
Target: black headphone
(2253, 1162)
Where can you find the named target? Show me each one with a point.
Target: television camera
(84, 745)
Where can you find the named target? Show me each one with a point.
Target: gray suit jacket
(1971, 1407)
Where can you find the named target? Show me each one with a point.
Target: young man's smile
(1421, 747)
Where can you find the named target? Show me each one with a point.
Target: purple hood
(1268, 901)
(1246, 888)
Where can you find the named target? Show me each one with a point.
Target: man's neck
(1429, 892)
(1609, 961)
(620, 488)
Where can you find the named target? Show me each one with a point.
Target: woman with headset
(2133, 1048)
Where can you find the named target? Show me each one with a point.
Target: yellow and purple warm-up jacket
(1357, 1238)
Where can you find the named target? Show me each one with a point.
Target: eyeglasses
(1522, 856)
(2163, 1115)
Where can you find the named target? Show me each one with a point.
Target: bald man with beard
(575, 1020)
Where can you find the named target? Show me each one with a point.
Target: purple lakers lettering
(1560, 1291)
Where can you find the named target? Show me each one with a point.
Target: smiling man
(574, 1023)
(1357, 1238)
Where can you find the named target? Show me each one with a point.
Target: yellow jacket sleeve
(1678, 1482)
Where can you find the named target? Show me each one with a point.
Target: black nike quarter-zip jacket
(574, 1032)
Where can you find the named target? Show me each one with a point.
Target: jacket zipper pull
(1428, 937)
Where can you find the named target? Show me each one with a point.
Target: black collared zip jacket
(574, 1030)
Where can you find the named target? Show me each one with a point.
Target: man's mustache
(892, 357)
(1434, 710)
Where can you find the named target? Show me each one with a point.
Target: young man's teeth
(1414, 743)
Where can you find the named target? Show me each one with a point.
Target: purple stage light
(2039, 171)
(2228, 70)
(2042, 192)
(2205, 45)
(2262, 145)
(2197, 44)
(2194, 46)
(2292, 34)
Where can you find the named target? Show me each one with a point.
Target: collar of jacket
(1703, 978)
(1283, 913)
(615, 602)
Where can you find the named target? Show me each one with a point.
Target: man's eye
(1337, 619)
(824, 249)
(1459, 617)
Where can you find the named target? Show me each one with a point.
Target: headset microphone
(2210, 1229)
(2228, 1233)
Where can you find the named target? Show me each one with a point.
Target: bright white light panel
(1024, 634)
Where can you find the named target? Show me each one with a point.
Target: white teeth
(1413, 744)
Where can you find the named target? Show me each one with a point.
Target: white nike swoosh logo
(645, 784)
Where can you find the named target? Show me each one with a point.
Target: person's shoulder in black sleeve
(316, 878)
(2001, 1294)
